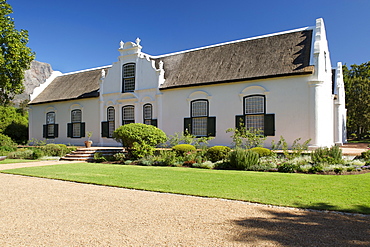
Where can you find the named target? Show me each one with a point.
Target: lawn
(347, 193)
(12, 161)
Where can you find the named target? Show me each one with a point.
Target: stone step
(87, 154)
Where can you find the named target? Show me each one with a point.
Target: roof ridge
(234, 41)
(86, 70)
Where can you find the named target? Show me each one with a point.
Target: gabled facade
(281, 83)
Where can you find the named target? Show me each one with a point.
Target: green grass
(348, 193)
(12, 161)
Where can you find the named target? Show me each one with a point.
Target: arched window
(76, 128)
(128, 114)
(148, 114)
(111, 121)
(128, 77)
(254, 112)
(254, 116)
(200, 124)
(50, 129)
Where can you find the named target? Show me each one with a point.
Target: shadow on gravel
(304, 228)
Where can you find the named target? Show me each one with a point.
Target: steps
(87, 154)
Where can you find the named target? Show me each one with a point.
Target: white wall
(90, 115)
(285, 97)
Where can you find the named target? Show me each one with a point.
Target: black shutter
(69, 129)
(154, 122)
(187, 125)
(83, 131)
(239, 121)
(56, 131)
(211, 126)
(104, 129)
(269, 125)
(45, 131)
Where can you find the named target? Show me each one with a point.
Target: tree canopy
(15, 56)
(357, 87)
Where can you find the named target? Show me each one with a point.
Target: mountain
(36, 75)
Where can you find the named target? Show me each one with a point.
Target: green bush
(316, 168)
(6, 145)
(21, 153)
(14, 123)
(331, 155)
(55, 150)
(287, 167)
(262, 152)
(140, 133)
(217, 153)
(183, 149)
(365, 155)
(204, 165)
(98, 157)
(241, 159)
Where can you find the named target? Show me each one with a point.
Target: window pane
(128, 115)
(254, 122)
(254, 104)
(110, 114)
(129, 84)
(199, 108)
(50, 130)
(199, 126)
(111, 128)
(76, 130)
(147, 111)
(128, 70)
(50, 118)
(76, 116)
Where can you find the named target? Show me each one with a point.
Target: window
(50, 129)
(111, 121)
(128, 77)
(200, 124)
(128, 114)
(254, 111)
(255, 117)
(108, 127)
(76, 129)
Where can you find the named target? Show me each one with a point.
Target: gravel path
(45, 212)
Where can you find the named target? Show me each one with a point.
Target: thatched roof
(270, 56)
(276, 55)
(77, 85)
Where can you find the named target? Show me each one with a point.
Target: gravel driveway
(45, 212)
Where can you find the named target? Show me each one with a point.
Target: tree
(357, 87)
(15, 56)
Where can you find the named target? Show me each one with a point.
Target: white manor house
(282, 83)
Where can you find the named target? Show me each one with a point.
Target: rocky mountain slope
(36, 75)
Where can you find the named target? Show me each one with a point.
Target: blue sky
(81, 34)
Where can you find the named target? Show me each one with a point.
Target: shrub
(140, 133)
(316, 168)
(262, 152)
(287, 167)
(6, 145)
(55, 149)
(182, 149)
(187, 138)
(37, 154)
(21, 153)
(241, 159)
(166, 158)
(205, 165)
(98, 157)
(119, 157)
(217, 153)
(365, 155)
(331, 155)
(245, 138)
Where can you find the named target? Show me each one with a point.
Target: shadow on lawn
(305, 228)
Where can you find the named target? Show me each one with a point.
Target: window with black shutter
(200, 124)
(50, 129)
